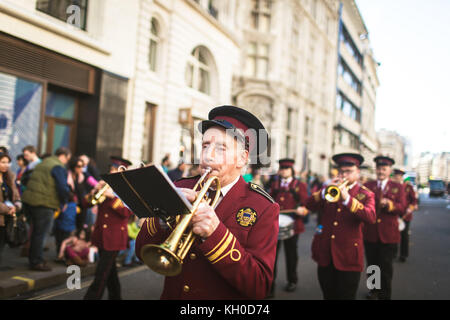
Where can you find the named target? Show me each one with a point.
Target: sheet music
(179, 192)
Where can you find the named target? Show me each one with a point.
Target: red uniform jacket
(385, 229)
(237, 260)
(411, 200)
(110, 230)
(285, 198)
(341, 240)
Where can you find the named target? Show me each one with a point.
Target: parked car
(437, 188)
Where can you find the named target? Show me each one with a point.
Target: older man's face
(222, 153)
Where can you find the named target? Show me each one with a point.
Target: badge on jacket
(360, 196)
(246, 217)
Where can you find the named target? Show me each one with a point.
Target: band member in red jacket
(235, 253)
(381, 239)
(338, 242)
(110, 235)
(291, 194)
(407, 216)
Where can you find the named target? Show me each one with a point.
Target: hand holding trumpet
(337, 189)
(205, 221)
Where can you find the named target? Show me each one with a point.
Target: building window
(348, 76)
(149, 132)
(212, 9)
(294, 52)
(288, 146)
(261, 15)
(60, 122)
(155, 43)
(347, 107)
(306, 132)
(198, 70)
(60, 10)
(290, 132)
(350, 45)
(257, 60)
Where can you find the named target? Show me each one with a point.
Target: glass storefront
(20, 116)
(60, 110)
(20, 107)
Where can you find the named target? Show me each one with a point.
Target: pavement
(16, 278)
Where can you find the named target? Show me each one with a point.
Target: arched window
(155, 44)
(198, 70)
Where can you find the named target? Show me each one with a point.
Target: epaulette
(261, 191)
(365, 188)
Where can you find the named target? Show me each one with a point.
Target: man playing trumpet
(234, 254)
(110, 235)
(338, 243)
(381, 239)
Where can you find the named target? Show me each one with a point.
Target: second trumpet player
(338, 243)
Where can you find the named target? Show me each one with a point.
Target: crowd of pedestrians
(52, 193)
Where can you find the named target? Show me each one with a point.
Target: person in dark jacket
(177, 173)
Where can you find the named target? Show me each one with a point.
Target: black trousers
(404, 243)
(105, 276)
(291, 253)
(336, 284)
(382, 255)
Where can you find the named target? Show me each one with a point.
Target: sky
(411, 40)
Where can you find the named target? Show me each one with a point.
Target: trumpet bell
(161, 260)
(332, 193)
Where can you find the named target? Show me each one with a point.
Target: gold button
(333, 236)
(282, 199)
(379, 220)
(356, 244)
(122, 228)
(192, 256)
(105, 226)
(339, 210)
(335, 223)
(186, 288)
(106, 215)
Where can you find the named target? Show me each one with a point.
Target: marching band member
(411, 206)
(338, 243)
(235, 255)
(291, 194)
(110, 235)
(381, 239)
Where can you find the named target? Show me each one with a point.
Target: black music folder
(148, 192)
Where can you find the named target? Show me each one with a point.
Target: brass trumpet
(333, 193)
(167, 258)
(99, 196)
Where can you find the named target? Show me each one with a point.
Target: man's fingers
(189, 194)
